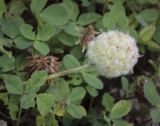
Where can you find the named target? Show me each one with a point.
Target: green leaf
(147, 33)
(45, 32)
(59, 110)
(152, 44)
(13, 84)
(55, 14)
(88, 18)
(108, 101)
(41, 47)
(77, 52)
(60, 89)
(20, 62)
(44, 103)
(76, 110)
(157, 35)
(76, 79)
(77, 94)
(54, 122)
(27, 31)
(106, 119)
(133, 32)
(37, 5)
(7, 63)
(155, 115)
(93, 81)
(125, 84)
(120, 109)
(72, 9)
(14, 99)
(116, 18)
(86, 3)
(70, 61)
(22, 43)
(67, 39)
(3, 50)
(120, 122)
(92, 91)
(149, 15)
(10, 28)
(2, 7)
(151, 94)
(16, 7)
(4, 98)
(28, 100)
(38, 78)
(73, 30)
(63, 87)
(13, 109)
(40, 121)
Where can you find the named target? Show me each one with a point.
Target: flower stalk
(66, 72)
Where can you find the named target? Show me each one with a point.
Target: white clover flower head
(113, 53)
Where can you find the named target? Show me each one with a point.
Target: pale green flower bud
(113, 53)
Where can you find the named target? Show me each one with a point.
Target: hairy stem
(66, 72)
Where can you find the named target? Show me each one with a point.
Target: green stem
(104, 6)
(108, 121)
(19, 116)
(91, 104)
(20, 112)
(154, 76)
(131, 8)
(66, 72)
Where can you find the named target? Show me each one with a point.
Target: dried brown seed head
(48, 63)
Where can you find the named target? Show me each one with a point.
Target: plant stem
(104, 6)
(73, 70)
(108, 121)
(19, 116)
(91, 104)
(131, 8)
